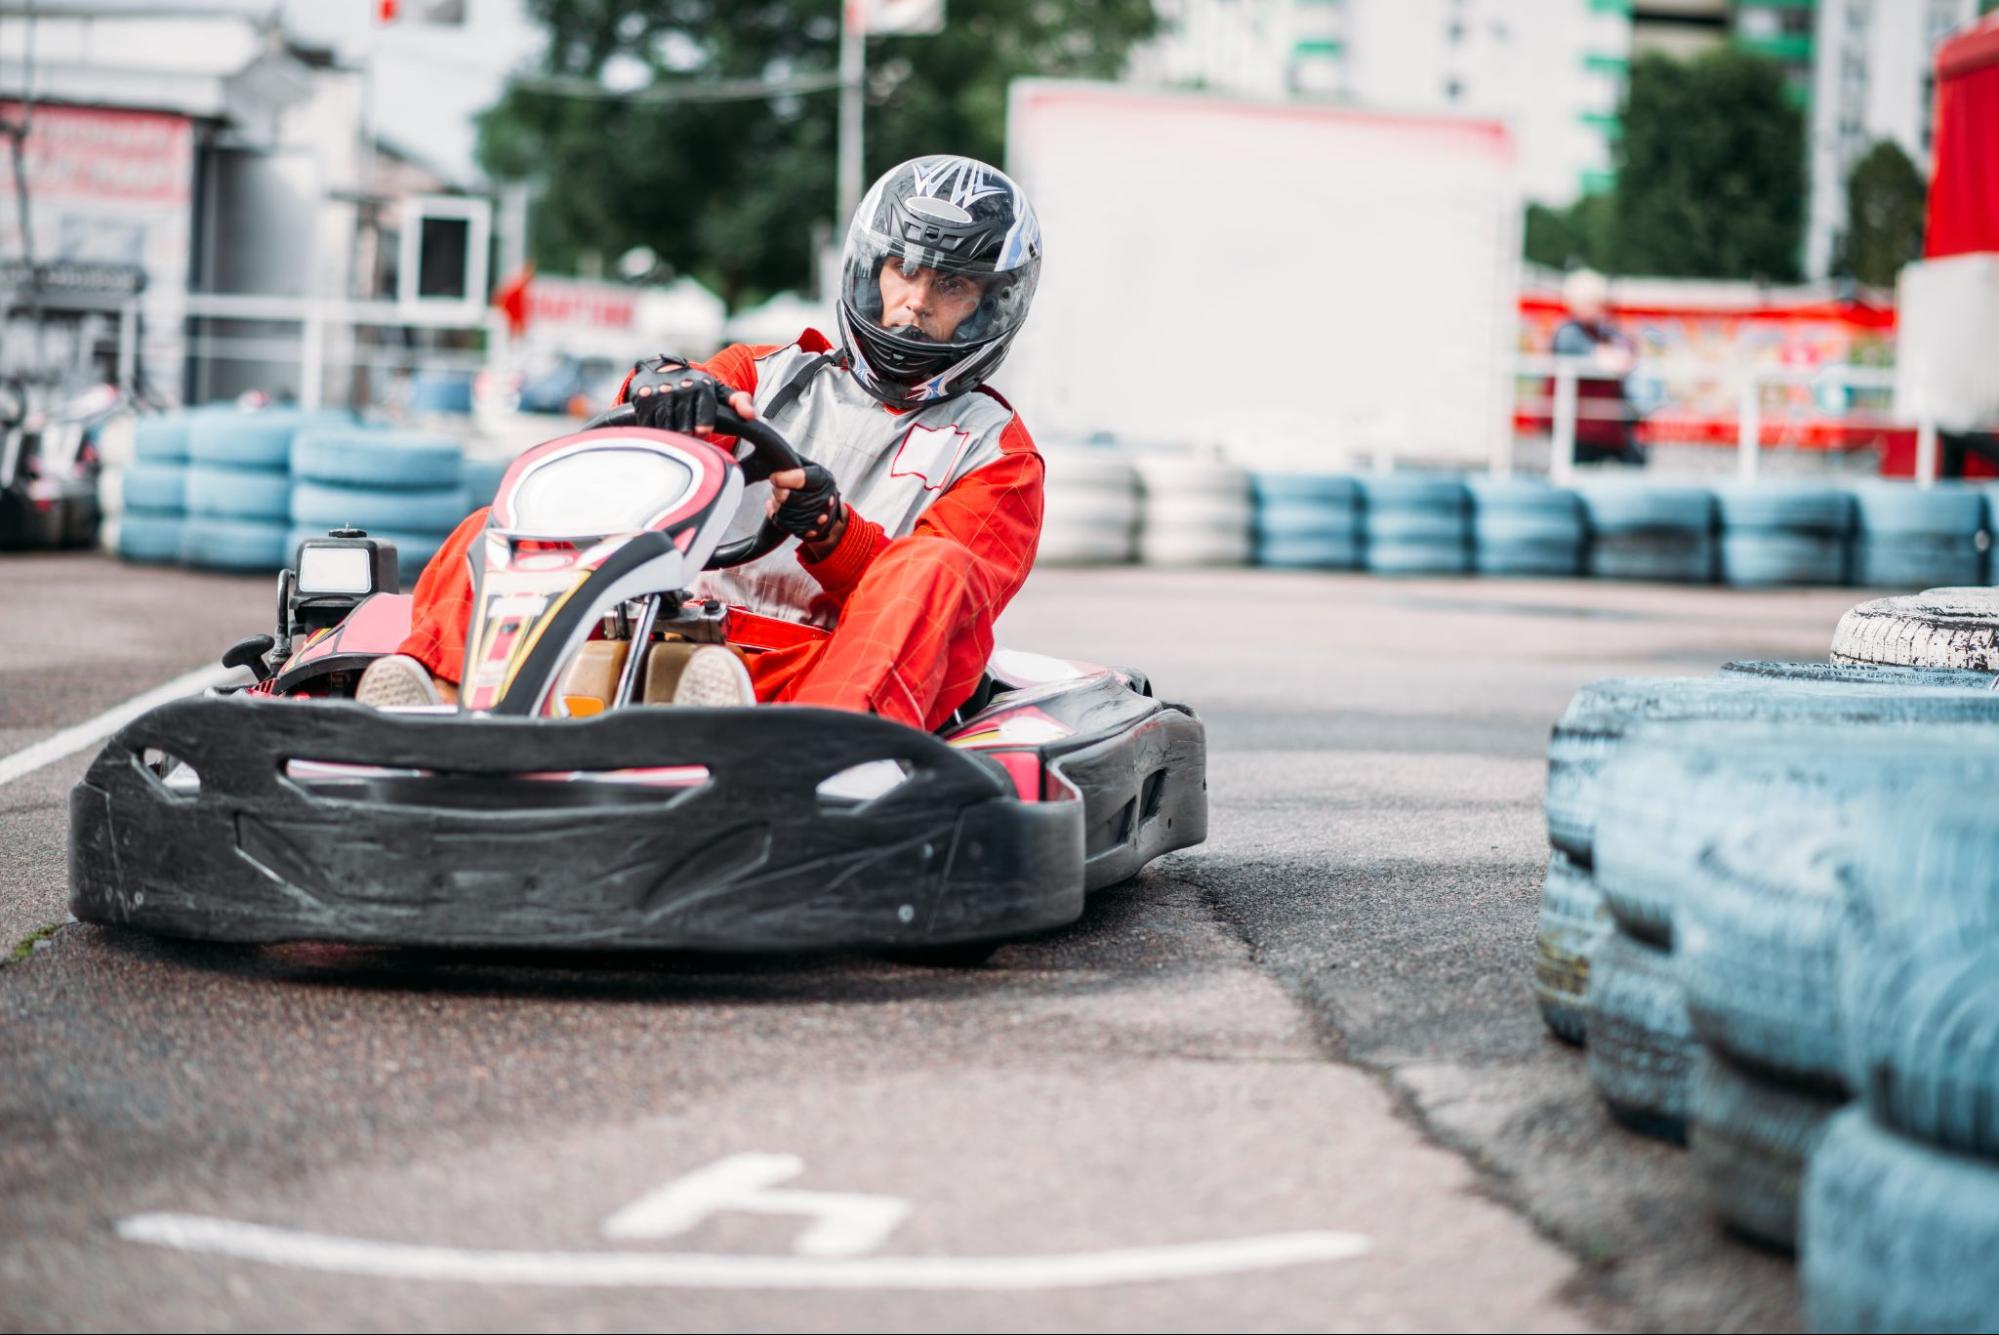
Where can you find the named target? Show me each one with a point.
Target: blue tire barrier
(1416, 524)
(1916, 561)
(1947, 510)
(481, 479)
(1919, 1011)
(1525, 528)
(1606, 717)
(236, 544)
(1304, 519)
(156, 488)
(1332, 491)
(321, 506)
(1626, 507)
(161, 440)
(1573, 923)
(1641, 1044)
(448, 393)
(238, 493)
(1649, 533)
(260, 439)
(1896, 1235)
(361, 457)
(1308, 553)
(1761, 559)
(1776, 535)
(1749, 1139)
(1687, 558)
(1863, 674)
(413, 550)
(1790, 509)
(150, 539)
(1418, 558)
(1757, 935)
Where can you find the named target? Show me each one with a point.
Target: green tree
(1581, 235)
(1885, 205)
(730, 191)
(1710, 170)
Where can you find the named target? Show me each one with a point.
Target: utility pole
(853, 70)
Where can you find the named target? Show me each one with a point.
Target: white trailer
(1305, 285)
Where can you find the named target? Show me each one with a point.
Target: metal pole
(311, 355)
(853, 67)
(1926, 450)
(128, 348)
(1562, 456)
(1750, 427)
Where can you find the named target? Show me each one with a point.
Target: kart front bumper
(471, 844)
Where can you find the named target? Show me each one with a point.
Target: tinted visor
(914, 295)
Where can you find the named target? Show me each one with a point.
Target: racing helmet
(957, 216)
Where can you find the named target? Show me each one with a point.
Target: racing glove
(812, 513)
(669, 395)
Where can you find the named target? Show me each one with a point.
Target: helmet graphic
(964, 250)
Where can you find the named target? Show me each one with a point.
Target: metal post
(311, 355)
(1750, 427)
(128, 348)
(1562, 458)
(853, 68)
(1926, 450)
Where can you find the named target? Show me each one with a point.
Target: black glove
(669, 395)
(812, 512)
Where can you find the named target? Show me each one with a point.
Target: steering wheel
(770, 453)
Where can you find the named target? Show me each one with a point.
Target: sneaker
(708, 675)
(397, 681)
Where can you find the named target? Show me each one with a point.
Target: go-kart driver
(918, 519)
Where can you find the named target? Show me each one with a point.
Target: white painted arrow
(844, 1223)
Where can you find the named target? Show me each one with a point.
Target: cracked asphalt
(1317, 1023)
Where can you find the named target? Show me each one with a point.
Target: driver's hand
(805, 502)
(669, 395)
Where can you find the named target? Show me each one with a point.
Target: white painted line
(842, 1223)
(692, 1270)
(74, 739)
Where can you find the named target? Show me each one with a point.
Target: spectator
(1605, 419)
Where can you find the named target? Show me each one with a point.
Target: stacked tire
(1901, 1199)
(1416, 524)
(1642, 532)
(406, 487)
(239, 488)
(1092, 507)
(1917, 538)
(1954, 628)
(1521, 527)
(1774, 536)
(1197, 512)
(1307, 520)
(152, 491)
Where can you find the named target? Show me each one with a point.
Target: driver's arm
(993, 512)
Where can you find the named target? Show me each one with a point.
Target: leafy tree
(1578, 236)
(1885, 205)
(1710, 170)
(731, 190)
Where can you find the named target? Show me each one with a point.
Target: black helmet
(959, 218)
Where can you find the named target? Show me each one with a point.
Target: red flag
(385, 10)
(512, 298)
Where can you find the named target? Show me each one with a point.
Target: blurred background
(473, 215)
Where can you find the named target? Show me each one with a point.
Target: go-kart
(560, 803)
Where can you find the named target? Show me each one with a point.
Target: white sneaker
(707, 675)
(397, 681)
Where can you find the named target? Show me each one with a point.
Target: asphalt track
(1290, 1080)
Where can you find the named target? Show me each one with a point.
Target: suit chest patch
(930, 454)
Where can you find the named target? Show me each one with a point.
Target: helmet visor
(922, 299)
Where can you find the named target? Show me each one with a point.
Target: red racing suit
(943, 515)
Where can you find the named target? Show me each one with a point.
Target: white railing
(1748, 385)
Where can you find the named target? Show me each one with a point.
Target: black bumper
(474, 855)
